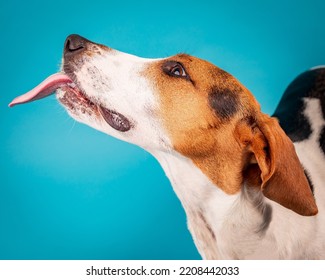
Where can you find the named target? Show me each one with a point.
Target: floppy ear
(275, 165)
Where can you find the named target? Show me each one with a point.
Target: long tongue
(44, 89)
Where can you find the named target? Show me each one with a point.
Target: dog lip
(74, 97)
(74, 88)
(115, 120)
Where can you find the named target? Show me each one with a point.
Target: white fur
(223, 226)
(113, 79)
(235, 220)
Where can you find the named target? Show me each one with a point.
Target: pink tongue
(44, 89)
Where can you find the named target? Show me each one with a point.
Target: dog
(247, 190)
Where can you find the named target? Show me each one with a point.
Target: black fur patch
(290, 111)
(266, 213)
(322, 140)
(291, 107)
(223, 102)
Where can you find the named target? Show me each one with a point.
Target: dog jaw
(114, 81)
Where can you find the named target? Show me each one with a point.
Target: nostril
(75, 43)
(73, 46)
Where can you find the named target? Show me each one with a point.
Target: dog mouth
(73, 97)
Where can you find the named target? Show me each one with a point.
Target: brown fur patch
(195, 128)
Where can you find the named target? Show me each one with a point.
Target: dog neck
(217, 221)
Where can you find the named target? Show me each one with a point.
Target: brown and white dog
(244, 189)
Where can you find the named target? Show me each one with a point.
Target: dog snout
(75, 44)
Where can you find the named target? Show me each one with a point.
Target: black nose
(75, 44)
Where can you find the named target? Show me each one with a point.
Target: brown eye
(174, 68)
(178, 70)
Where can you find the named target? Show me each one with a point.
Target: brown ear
(282, 178)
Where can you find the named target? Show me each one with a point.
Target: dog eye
(174, 68)
(178, 70)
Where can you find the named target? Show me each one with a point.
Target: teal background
(70, 192)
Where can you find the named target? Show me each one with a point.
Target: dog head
(182, 104)
(168, 104)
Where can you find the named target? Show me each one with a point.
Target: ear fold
(282, 178)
